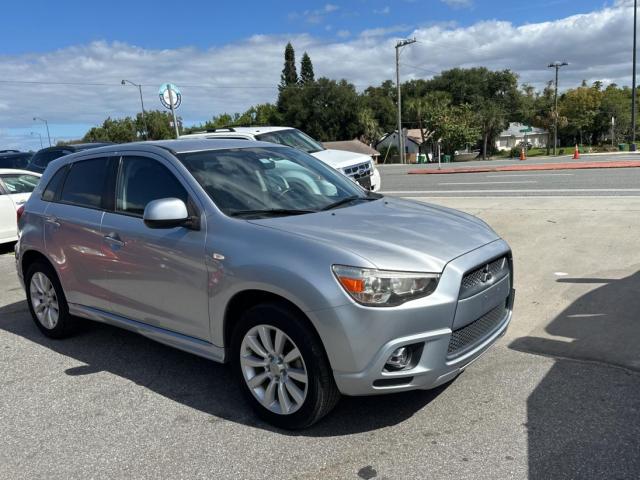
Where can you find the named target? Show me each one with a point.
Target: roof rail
(213, 130)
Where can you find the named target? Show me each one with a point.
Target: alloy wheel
(44, 300)
(273, 369)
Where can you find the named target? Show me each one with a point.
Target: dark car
(44, 157)
(15, 159)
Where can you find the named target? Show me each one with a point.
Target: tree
(492, 119)
(454, 126)
(326, 110)
(158, 123)
(369, 129)
(306, 70)
(616, 103)
(122, 130)
(289, 75)
(381, 102)
(581, 106)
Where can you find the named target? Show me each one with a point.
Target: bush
(561, 151)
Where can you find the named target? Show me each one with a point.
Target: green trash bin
(622, 147)
(422, 158)
(446, 159)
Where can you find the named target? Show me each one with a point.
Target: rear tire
(282, 367)
(47, 302)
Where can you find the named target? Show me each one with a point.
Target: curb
(537, 167)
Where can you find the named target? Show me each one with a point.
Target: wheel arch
(246, 299)
(29, 257)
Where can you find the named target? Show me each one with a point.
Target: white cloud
(233, 77)
(458, 3)
(314, 16)
(383, 11)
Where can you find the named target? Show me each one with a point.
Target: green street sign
(526, 130)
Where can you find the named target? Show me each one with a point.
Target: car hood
(340, 158)
(393, 234)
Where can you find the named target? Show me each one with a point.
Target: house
(412, 144)
(514, 136)
(355, 146)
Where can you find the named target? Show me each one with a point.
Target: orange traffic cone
(523, 155)
(576, 153)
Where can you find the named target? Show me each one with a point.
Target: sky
(64, 60)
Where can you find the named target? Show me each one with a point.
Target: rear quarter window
(52, 191)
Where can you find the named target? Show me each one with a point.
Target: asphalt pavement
(558, 397)
(596, 182)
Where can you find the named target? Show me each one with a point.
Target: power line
(118, 84)
(415, 67)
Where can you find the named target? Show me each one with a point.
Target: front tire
(47, 302)
(282, 367)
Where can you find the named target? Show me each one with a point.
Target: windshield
(261, 182)
(292, 138)
(20, 183)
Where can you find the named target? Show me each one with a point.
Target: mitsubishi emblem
(486, 274)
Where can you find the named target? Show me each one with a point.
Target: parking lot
(557, 397)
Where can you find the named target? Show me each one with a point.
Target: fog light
(399, 359)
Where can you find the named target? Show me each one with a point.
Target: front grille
(467, 337)
(484, 276)
(358, 171)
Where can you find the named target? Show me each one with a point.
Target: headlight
(383, 288)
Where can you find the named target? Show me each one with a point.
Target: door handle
(114, 240)
(51, 220)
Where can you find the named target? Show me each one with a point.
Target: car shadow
(6, 248)
(584, 416)
(199, 383)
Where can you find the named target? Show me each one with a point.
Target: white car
(15, 189)
(357, 166)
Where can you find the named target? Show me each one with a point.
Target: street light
(557, 66)
(39, 135)
(35, 119)
(144, 120)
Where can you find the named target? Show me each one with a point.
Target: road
(558, 397)
(596, 182)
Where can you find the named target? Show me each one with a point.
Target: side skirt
(167, 337)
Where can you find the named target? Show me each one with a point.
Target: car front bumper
(370, 335)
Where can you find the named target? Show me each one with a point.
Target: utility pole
(633, 88)
(399, 45)
(144, 119)
(557, 66)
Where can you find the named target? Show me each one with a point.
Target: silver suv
(262, 256)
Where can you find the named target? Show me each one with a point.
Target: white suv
(357, 166)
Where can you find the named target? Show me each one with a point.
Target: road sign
(170, 96)
(526, 130)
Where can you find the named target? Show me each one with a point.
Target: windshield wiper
(271, 211)
(344, 201)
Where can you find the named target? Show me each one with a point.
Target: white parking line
(538, 190)
(487, 183)
(506, 175)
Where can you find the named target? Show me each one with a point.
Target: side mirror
(165, 213)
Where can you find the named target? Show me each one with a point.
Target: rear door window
(86, 183)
